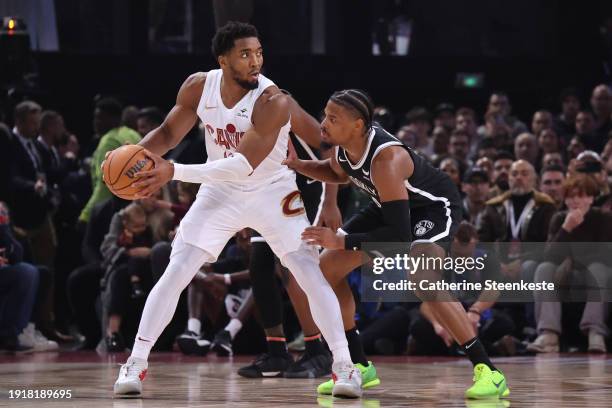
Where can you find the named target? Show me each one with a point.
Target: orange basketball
(120, 169)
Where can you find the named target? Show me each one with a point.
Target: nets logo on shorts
(423, 227)
(293, 205)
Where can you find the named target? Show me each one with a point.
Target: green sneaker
(369, 379)
(487, 384)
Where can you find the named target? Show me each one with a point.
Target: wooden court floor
(178, 381)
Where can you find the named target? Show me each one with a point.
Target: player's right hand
(292, 160)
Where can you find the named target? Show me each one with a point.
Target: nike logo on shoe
(471, 344)
(497, 384)
(142, 375)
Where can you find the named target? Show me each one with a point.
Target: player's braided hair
(358, 101)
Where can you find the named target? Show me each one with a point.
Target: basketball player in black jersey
(412, 202)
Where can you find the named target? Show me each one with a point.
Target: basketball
(121, 167)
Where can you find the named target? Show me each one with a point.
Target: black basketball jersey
(427, 184)
(311, 190)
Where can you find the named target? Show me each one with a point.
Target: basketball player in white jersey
(244, 184)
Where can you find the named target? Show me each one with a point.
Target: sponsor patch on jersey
(243, 113)
(423, 227)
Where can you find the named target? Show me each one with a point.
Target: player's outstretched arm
(181, 118)
(328, 170)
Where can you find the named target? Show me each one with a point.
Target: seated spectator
(601, 102)
(575, 147)
(418, 121)
(444, 116)
(126, 250)
(107, 121)
(186, 196)
(452, 167)
(407, 136)
(551, 183)
(148, 119)
(465, 121)
(476, 187)
(526, 148)
(493, 326)
(31, 199)
(520, 215)
(18, 290)
(586, 130)
(83, 285)
(552, 159)
(542, 120)
(441, 139)
(129, 117)
(459, 147)
(548, 141)
(501, 170)
(565, 123)
(581, 222)
(500, 110)
(486, 148)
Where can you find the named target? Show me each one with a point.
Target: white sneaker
(597, 343)
(31, 337)
(545, 343)
(347, 380)
(131, 375)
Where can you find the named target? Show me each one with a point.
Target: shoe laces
(261, 358)
(130, 368)
(479, 371)
(344, 371)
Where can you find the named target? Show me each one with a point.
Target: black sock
(277, 346)
(356, 347)
(477, 354)
(314, 345)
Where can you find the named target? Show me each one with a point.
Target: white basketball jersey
(224, 128)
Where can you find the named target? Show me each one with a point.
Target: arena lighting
(15, 46)
(469, 80)
(12, 25)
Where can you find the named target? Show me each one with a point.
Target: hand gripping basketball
(149, 181)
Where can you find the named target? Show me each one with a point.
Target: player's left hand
(149, 181)
(324, 237)
(330, 216)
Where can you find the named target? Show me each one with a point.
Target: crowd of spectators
(76, 263)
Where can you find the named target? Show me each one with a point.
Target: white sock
(194, 325)
(324, 306)
(142, 347)
(233, 327)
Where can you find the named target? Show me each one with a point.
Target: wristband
(228, 279)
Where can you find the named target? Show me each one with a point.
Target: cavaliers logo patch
(292, 205)
(423, 227)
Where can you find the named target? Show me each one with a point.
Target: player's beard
(244, 83)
